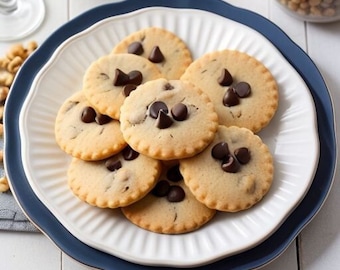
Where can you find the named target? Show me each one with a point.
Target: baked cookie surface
(243, 90)
(235, 171)
(107, 80)
(114, 182)
(168, 119)
(84, 133)
(160, 46)
(170, 208)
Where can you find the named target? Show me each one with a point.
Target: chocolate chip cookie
(170, 207)
(84, 133)
(242, 89)
(113, 182)
(111, 78)
(233, 173)
(159, 46)
(168, 119)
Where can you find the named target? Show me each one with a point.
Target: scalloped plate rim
(57, 53)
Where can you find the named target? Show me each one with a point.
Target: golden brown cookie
(114, 182)
(242, 89)
(168, 119)
(84, 133)
(233, 173)
(110, 79)
(170, 208)
(160, 46)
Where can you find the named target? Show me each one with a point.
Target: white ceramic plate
(292, 137)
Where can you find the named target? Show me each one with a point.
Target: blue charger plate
(253, 258)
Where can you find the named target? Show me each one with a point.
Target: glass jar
(312, 10)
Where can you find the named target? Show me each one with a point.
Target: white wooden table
(318, 245)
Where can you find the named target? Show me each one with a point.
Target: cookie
(160, 46)
(84, 133)
(243, 90)
(114, 182)
(109, 79)
(233, 173)
(170, 208)
(168, 119)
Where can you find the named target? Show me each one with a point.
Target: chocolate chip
(242, 89)
(129, 154)
(120, 78)
(230, 98)
(88, 115)
(161, 189)
(102, 119)
(156, 55)
(168, 86)
(135, 77)
(128, 89)
(220, 150)
(136, 48)
(242, 155)
(176, 194)
(230, 165)
(113, 164)
(225, 78)
(156, 107)
(179, 112)
(163, 120)
(173, 174)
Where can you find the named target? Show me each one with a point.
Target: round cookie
(233, 173)
(243, 90)
(109, 79)
(114, 182)
(170, 208)
(168, 119)
(84, 133)
(160, 46)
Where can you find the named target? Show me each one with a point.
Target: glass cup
(19, 18)
(312, 10)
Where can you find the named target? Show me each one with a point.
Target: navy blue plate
(255, 257)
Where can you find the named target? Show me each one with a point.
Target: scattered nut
(316, 8)
(31, 46)
(1, 113)
(4, 62)
(15, 50)
(4, 186)
(15, 64)
(3, 94)
(9, 66)
(329, 12)
(6, 78)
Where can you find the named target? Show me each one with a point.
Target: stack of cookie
(166, 139)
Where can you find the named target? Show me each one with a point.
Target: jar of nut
(312, 10)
